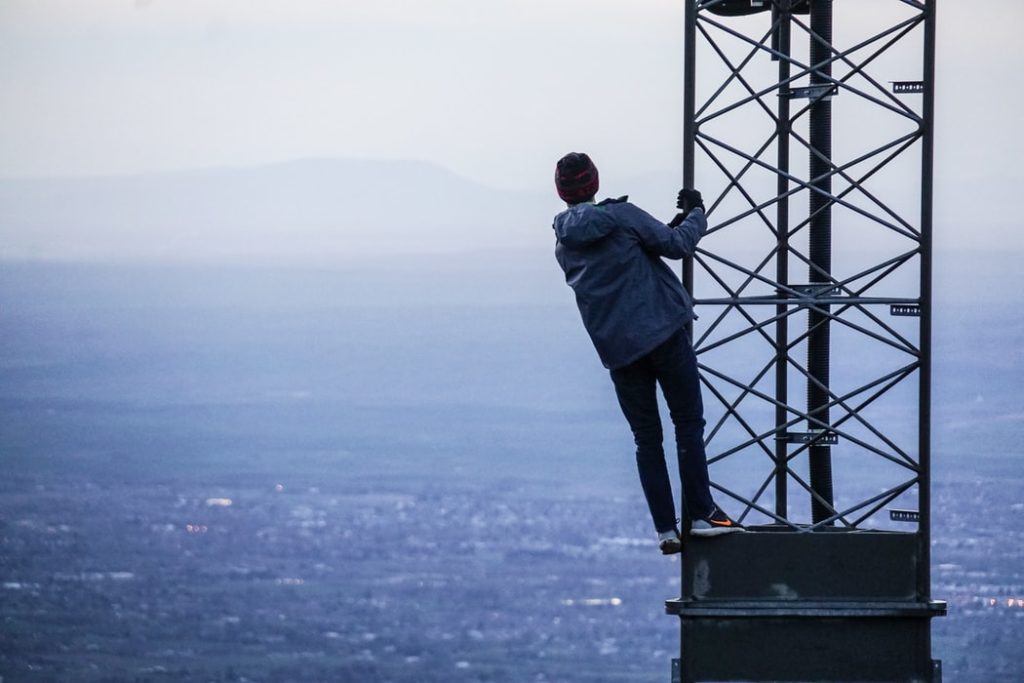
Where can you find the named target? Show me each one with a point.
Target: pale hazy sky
(494, 90)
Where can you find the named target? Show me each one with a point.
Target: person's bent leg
(636, 389)
(676, 366)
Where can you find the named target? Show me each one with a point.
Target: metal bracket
(907, 87)
(734, 8)
(816, 436)
(907, 310)
(822, 289)
(905, 515)
(811, 92)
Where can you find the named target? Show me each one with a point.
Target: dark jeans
(673, 365)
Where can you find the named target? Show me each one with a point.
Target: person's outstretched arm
(662, 240)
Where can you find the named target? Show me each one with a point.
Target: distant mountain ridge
(307, 211)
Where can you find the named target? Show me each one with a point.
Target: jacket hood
(583, 224)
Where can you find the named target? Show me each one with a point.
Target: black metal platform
(754, 608)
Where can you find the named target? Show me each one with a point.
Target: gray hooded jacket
(630, 300)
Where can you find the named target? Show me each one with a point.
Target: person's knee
(688, 424)
(647, 434)
(648, 443)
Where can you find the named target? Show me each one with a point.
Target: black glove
(689, 199)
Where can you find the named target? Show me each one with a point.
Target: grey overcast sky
(493, 90)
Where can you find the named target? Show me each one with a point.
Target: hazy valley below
(407, 472)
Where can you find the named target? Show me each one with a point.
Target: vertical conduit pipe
(820, 255)
(781, 40)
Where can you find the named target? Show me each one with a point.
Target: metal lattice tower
(808, 127)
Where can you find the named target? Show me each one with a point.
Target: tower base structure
(775, 604)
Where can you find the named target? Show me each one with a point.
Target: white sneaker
(669, 542)
(715, 524)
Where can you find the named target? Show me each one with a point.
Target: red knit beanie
(576, 178)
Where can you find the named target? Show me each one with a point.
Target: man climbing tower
(636, 311)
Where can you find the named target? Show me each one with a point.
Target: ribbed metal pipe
(782, 41)
(820, 254)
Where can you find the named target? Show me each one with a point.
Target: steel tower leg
(689, 106)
